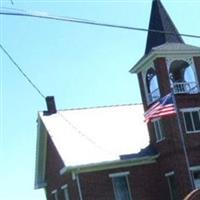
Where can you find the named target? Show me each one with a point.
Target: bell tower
(169, 66)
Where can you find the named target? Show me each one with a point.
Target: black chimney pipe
(51, 106)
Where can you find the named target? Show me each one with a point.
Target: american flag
(163, 107)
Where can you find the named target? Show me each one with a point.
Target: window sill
(192, 132)
(159, 141)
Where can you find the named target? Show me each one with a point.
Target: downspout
(183, 142)
(76, 178)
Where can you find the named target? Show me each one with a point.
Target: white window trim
(119, 174)
(194, 169)
(190, 109)
(55, 193)
(144, 73)
(156, 131)
(183, 110)
(64, 188)
(122, 174)
(169, 174)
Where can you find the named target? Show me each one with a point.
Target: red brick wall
(147, 182)
(144, 180)
(162, 75)
(54, 181)
(171, 150)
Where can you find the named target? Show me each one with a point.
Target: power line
(12, 2)
(22, 72)
(88, 22)
(38, 12)
(43, 96)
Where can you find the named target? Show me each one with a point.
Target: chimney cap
(51, 106)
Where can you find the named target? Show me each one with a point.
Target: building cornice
(109, 165)
(145, 60)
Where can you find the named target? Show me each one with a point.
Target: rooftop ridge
(95, 107)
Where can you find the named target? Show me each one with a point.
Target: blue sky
(81, 65)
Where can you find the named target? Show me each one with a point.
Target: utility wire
(22, 72)
(43, 96)
(38, 13)
(82, 21)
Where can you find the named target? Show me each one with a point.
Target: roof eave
(136, 68)
(41, 146)
(159, 53)
(40, 185)
(109, 165)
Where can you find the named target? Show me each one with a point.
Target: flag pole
(182, 140)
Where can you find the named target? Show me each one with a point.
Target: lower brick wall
(144, 180)
(147, 182)
(54, 181)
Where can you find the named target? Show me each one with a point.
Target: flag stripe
(164, 107)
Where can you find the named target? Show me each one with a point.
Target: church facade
(169, 167)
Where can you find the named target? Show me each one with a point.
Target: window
(152, 85)
(172, 185)
(182, 77)
(159, 130)
(54, 194)
(121, 186)
(196, 175)
(65, 192)
(192, 120)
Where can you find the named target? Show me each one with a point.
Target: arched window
(182, 77)
(189, 74)
(152, 85)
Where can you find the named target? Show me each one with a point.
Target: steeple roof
(161, 21)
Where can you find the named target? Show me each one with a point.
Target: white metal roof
(93, 135)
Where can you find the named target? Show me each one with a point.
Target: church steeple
(171, 67)
(161, 21)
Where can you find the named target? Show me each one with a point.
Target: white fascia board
(40, 185)
(140, 66)
(175, 53)
(109, 165)
(40, 161)
(141, 63)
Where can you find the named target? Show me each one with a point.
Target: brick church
(71, 166)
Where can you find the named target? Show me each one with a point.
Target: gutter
(108, 165)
